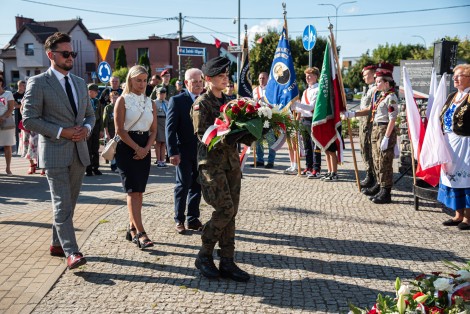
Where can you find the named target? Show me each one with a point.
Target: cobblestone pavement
(310, 246)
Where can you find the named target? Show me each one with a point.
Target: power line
(126, 25)
(210, 29)
(327, 16)
(94, 11)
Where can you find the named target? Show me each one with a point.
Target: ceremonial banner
(244, 86)
(432, 92)
(282, 89)
(326, 120)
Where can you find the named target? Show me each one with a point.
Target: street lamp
(424, 40)
(336, 16)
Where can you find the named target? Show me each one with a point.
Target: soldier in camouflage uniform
(365, 126)
(220, 177)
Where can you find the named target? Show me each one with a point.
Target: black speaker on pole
(445, 56)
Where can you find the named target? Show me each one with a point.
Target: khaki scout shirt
(203, 112)
(387, 109)
(366, 101)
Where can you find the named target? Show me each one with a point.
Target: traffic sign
(191, 51)
(93, 76)
(235, 49)
(104, 72)
(103, 46)
(309, 37)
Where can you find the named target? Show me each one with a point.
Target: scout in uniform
(220, 177)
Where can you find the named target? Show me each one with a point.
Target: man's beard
(65, 67)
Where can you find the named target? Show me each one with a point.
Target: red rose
(222, 108)
(250, 109)
(417, 295)
(421, 276)
(257, 105)
(241, 103)
(434, 272)
(236, 110)
(463, 292)
(454, 276)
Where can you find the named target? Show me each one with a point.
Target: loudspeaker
(445, 56)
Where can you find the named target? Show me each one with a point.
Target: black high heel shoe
(129, 236)
(144, 243)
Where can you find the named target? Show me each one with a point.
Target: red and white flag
(231, 44)
(259, 40)
(217, 42)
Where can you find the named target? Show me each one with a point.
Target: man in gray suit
(57, 106)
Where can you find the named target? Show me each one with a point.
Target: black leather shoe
(89, 173)
(371, 191)
(207, 267)
(258, 164)
(269, 165)
(451, 222)
(195, 225)
(228, 269)
(384, 197)
(463, 226)
(97, 172)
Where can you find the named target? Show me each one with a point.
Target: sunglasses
(67, 54)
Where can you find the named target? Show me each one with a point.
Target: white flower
(266, 125)
(404, 290)
(464, 275)
(442, 284)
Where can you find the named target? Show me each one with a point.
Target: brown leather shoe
(75, 260)
(195, 225)
(180, 228)
(56, 251)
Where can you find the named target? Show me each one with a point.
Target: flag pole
(296, 140)
(343, 96)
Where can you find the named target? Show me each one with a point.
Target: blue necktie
(68, 89)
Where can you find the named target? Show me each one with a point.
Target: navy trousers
(187, 189)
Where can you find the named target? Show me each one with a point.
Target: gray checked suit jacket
(47, 108)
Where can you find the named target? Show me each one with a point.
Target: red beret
(369, 67)
(384, 74)
(164, 72)
(383, 66)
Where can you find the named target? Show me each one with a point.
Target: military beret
(369, 67)
(164, 72)
(383, 66)
(384, 74)
(93, 87)
(215, 66)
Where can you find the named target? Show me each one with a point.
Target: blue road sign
(309, 37)
(191, 51)
(93, 76)
(104, 72)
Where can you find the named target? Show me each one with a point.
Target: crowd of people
(64, 141)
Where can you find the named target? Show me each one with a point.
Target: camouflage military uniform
(220, 179)
(365, 127)
(387, 108)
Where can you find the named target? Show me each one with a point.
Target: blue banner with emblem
(282, 89)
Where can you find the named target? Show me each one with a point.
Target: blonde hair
(133, 72)
(464, 67)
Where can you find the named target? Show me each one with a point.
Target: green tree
(353, 77)
(394, 53)
(121, 59)
(145, 62)
(121, 73)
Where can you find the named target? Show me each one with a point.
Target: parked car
(349, 93)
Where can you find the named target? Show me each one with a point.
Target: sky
(378, 23)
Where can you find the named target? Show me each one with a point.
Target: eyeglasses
(67, 54)
(459, 76)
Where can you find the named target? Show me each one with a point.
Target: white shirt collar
(461, 94)
(193, 96)
(59, 75)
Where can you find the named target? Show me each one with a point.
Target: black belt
(138, 132)
(379, 123)
(161, 116)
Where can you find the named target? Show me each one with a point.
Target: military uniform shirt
(203, 112)
(387, 109)
(367, 97)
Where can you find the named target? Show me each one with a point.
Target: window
(15, 76)
(115, 54)
(29, 49)
(141, 52)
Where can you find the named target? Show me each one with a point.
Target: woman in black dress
(136, 124)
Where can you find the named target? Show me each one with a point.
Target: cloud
(262, 28)
(353, 9)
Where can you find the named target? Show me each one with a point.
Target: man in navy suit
(182, 149)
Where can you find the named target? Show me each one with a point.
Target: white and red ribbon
(219, 128)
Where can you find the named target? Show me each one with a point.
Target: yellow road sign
(103, 47)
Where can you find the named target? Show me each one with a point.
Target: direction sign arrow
(104, 72)
(309, 37)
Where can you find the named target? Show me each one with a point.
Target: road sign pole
(310, 58)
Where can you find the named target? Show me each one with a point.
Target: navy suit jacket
(180, 137)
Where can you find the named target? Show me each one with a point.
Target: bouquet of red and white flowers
(244, 121)
(436, 293)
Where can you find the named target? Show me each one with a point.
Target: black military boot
(372, 190)
(384, 197)
(228, 269)
(367, 182)
(207, 267)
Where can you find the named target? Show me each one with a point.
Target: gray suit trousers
(65, 184)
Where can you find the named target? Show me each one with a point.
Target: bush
(121, 73)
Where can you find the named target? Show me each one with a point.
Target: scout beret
(384, 74)
(385, 66)
(215, 66)
(369, 67)
(164, 72)
(93, 87)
